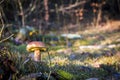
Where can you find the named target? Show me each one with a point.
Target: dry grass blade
(6, 38)
(2, 22)
(1, 31)
(30, 76)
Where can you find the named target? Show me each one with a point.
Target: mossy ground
(80, 64)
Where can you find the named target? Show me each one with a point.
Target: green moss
(84, 42)
(21, 48)
(65, 75)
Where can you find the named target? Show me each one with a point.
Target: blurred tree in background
(53, 14)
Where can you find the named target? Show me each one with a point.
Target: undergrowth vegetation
(65, 63)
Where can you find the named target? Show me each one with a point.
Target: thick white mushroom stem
(37, 55)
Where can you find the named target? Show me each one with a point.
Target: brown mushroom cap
(32, 46)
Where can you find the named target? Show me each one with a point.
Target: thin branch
(46, 17)
(6, 38)
(1, 1)
(71, 6)
(21, 13)
(30, 6)
(30, 9)
(3, 25)
(67, 9)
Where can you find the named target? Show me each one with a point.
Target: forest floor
(95, 55)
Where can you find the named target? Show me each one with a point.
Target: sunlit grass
(82, 66)
(78, 63)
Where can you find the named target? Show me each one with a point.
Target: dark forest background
(56, 14)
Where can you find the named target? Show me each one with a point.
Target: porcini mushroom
(36, 47)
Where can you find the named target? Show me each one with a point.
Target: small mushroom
(37, 47)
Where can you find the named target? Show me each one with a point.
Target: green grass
(73, 69)
(81, 67)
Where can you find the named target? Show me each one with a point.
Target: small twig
(6, 38)
(1, 1)
(2, 22)
(31, 8)
(71, 6)
(21, 12)
(1, 31)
